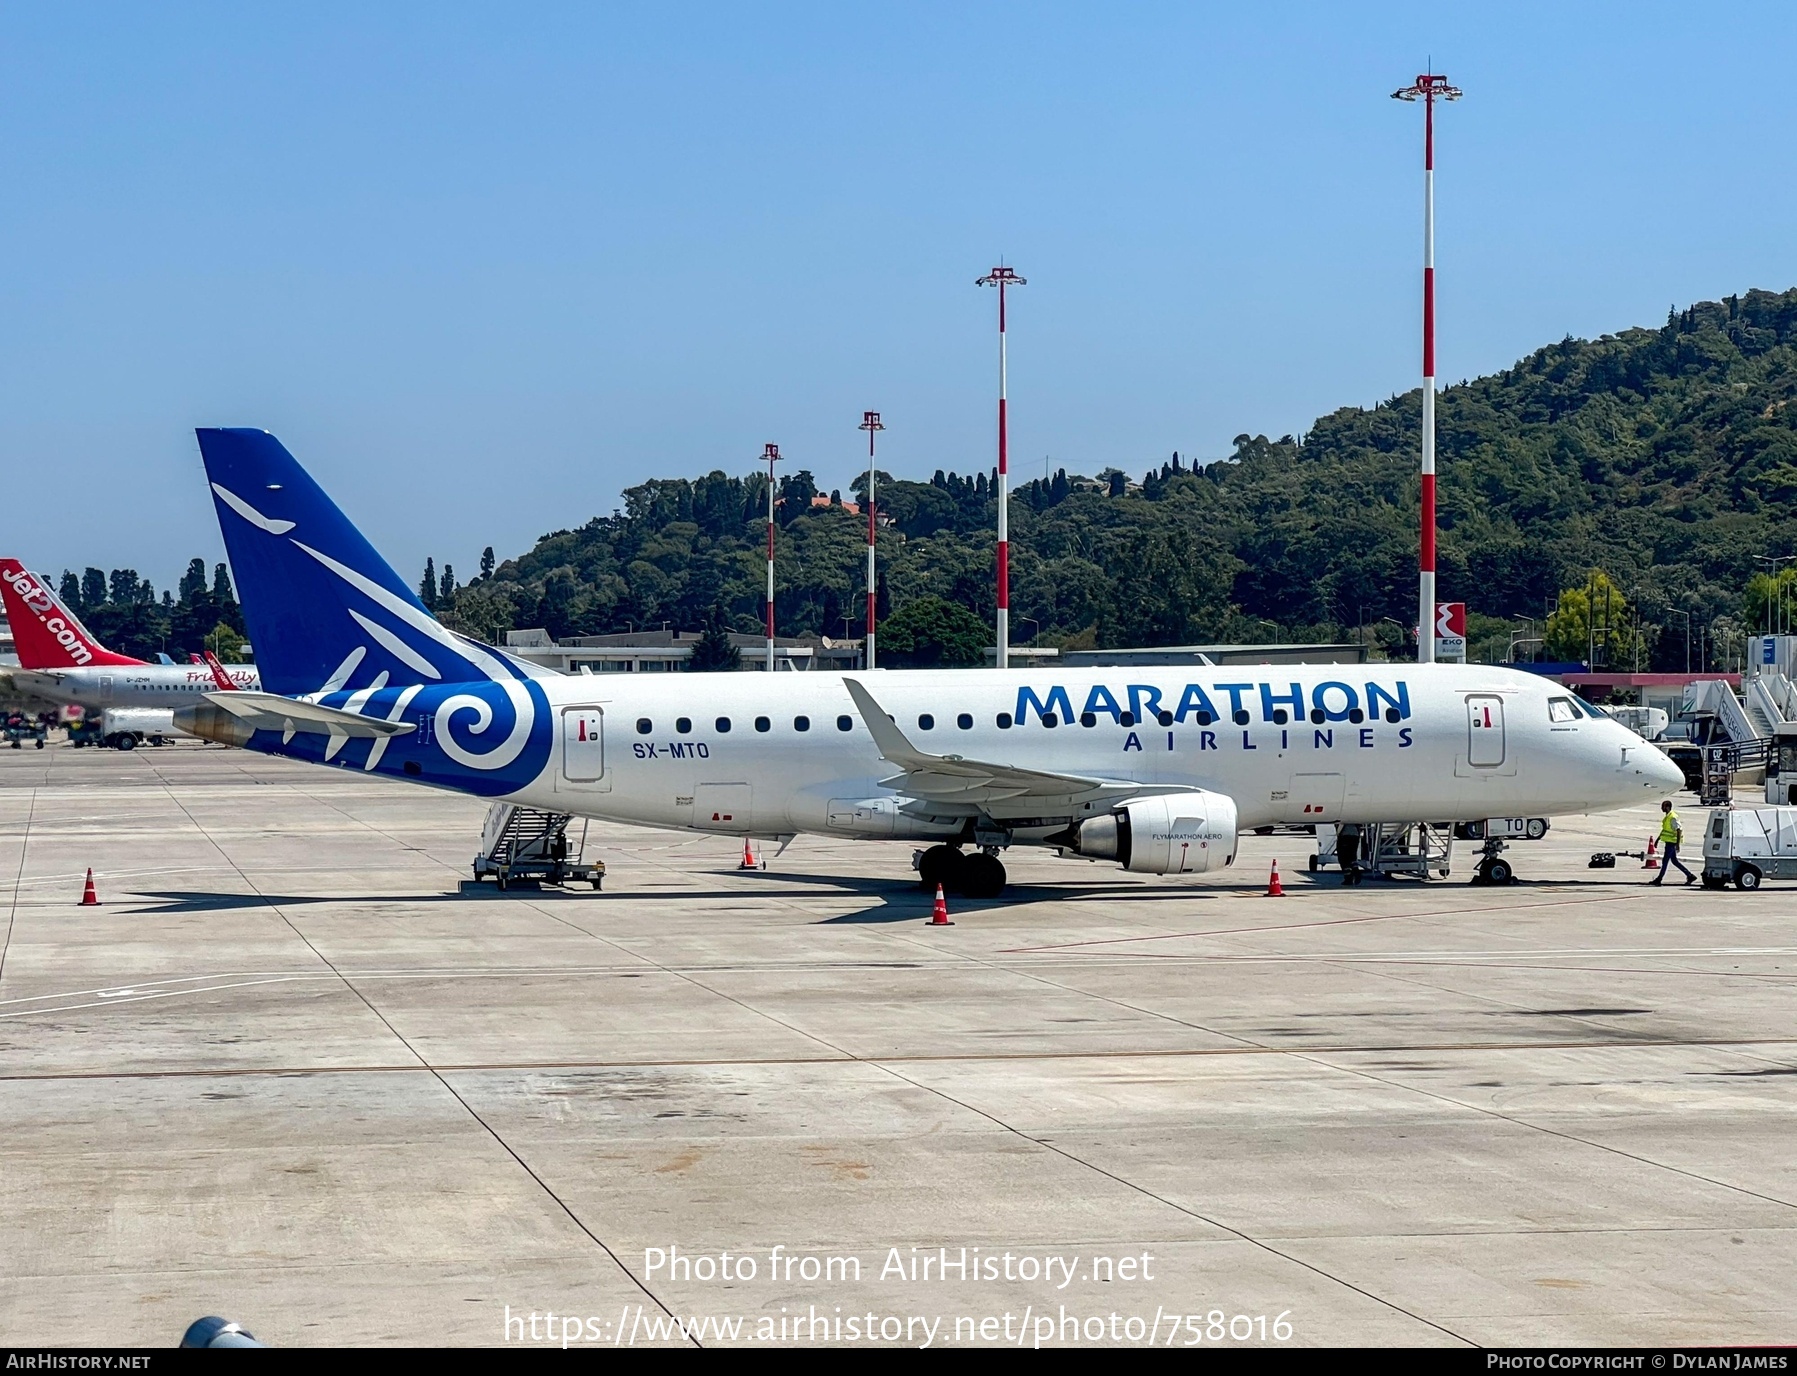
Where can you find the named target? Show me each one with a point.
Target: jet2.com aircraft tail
(332, 622)
(47, 634)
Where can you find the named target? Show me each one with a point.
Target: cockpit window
(1561, 709)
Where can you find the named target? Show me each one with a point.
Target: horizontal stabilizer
(272, 712)
(232, 718)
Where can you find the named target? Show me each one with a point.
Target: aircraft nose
(1659, 772)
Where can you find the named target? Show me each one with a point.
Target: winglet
(219, 676)
(891, 741)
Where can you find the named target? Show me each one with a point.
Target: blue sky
(483, 266)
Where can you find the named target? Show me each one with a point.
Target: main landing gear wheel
(940, 865)
(981, 876)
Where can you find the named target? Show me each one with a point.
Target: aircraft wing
(272, 712)
(953, 778)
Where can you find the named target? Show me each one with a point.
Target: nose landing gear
(1492, 867)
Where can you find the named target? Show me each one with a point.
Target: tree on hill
(1769, 605)
(931, 633)
(712, 652)
(1594, 624)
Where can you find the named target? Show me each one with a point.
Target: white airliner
(61, 661)
(1156, 770)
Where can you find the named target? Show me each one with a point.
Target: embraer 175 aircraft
(60, 660)
(1155, 770)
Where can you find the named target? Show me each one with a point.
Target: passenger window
(1050, 720)
(1561, 709)
(926, 722)
(763, 724)
(801, 723)
(1165, 718)
(1241, 718)
(1392, 715)
(1127, 719)
(1279, 717)
(644, 726)
(965, 721)
(723, 724)
(1004, 721)
(1088, 719)
(845, 723)
(684, 725)
(1356, 716)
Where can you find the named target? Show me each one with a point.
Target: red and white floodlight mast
(1428, 88)
(870, 422)
(1002, 277)
(771, 454)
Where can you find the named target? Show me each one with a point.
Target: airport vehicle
(1781, 765)
(126, 728)
(60, 660)
(1744, 845)
(1419, 849)
(21, 727)
(521, 843)
(1156, 771)
(1649, 723)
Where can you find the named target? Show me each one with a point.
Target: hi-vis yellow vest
(1670, 830)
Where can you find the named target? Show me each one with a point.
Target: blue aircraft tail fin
(324, 611)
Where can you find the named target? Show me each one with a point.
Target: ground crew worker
(1671, 833)
(1347, 851)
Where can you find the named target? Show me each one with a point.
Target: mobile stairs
(530, 845)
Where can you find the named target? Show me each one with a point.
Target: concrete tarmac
(291, 1073)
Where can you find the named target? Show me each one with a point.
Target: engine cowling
(1169, 833)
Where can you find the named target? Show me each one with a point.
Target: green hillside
(1664, 458)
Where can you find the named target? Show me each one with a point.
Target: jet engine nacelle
(1169, 833)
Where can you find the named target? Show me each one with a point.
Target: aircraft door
(1484, 730)
(583, 750)
(106, 688)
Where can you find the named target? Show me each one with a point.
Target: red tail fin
(47, 634)
(219, 676)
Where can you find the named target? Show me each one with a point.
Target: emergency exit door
(583, 746)
(1484, 730)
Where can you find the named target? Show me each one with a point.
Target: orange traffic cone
(939, 914)
(1274, 888)
(748, 861)
(89, 899)
(1653, 857)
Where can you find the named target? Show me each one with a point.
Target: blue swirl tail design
(331, 621)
